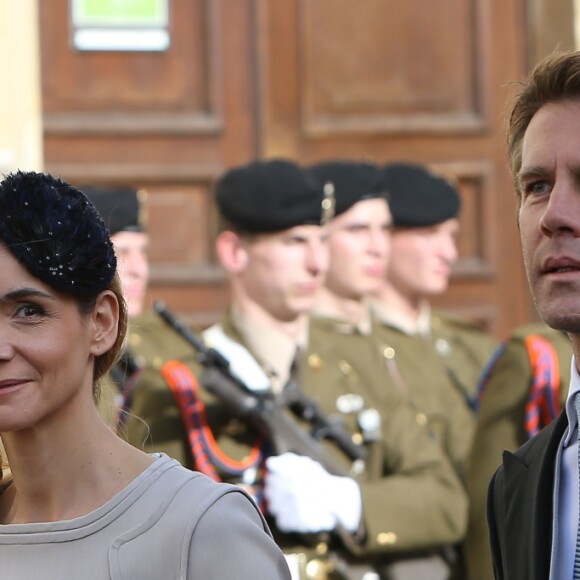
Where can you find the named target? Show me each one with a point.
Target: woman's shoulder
(166, 472)
(191, 491)
(185, 499)
(183, 517)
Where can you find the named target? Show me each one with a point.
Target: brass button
(314, 362)
(421, 419)
(322, 548)
(387, 538)
(389, 352)
(357, 438)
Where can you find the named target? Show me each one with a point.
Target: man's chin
(566, 322)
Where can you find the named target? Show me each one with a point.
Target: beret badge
(328, 203)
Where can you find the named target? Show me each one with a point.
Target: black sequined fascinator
(56, 233)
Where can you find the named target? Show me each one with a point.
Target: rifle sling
(207, 455)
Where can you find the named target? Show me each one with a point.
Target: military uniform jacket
(501, 426)
(149, 344)
(412, 499)
(439, 374)
(409, 483)
(520, 507)
(405, 463)
(464, 349)
(154, 421)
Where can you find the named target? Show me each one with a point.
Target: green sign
(125, 13)
(114, 25)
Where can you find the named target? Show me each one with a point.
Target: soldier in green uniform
(150, 343)
(435, 359)
(343, 342)
(335, 515)
(523, 389)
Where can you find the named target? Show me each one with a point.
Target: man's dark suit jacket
(519, 507)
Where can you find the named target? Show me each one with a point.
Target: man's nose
(562, 212)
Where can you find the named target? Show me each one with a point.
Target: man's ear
(232, 251)
(105, 321)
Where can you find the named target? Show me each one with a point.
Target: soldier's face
(285, 270)
(133, 266)
(549, 212)
(422, 258)
(359, 242)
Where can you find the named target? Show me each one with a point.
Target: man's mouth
(560, 266)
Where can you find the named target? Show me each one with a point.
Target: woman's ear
(232, 252)
(105, 321)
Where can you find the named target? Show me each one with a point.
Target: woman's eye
(28, 310)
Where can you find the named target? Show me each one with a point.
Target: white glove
(303, 497)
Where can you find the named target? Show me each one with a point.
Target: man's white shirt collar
(570, 410)
(393, 317)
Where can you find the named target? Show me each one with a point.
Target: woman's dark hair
(57, 234)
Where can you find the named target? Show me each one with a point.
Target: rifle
(267, 415)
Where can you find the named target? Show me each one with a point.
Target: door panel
(168, 122)
(305, 79)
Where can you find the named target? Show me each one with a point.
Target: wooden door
(306, 79)
(417, 81)
(168, 122)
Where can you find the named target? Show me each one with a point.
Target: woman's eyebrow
(25, 292)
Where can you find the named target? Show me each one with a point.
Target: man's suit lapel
(529, 483)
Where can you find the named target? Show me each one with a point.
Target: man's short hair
(554, 79)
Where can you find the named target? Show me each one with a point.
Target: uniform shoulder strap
(543, 404)
(487, 373)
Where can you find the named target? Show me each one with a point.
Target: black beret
(353, 181)
(56, 233)
(417, 197)
(270, 196)
(120, 207)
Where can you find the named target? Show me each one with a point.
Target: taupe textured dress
(169, 523)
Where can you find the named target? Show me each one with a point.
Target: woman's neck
(65, 471)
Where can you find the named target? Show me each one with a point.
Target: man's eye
(537, 187)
